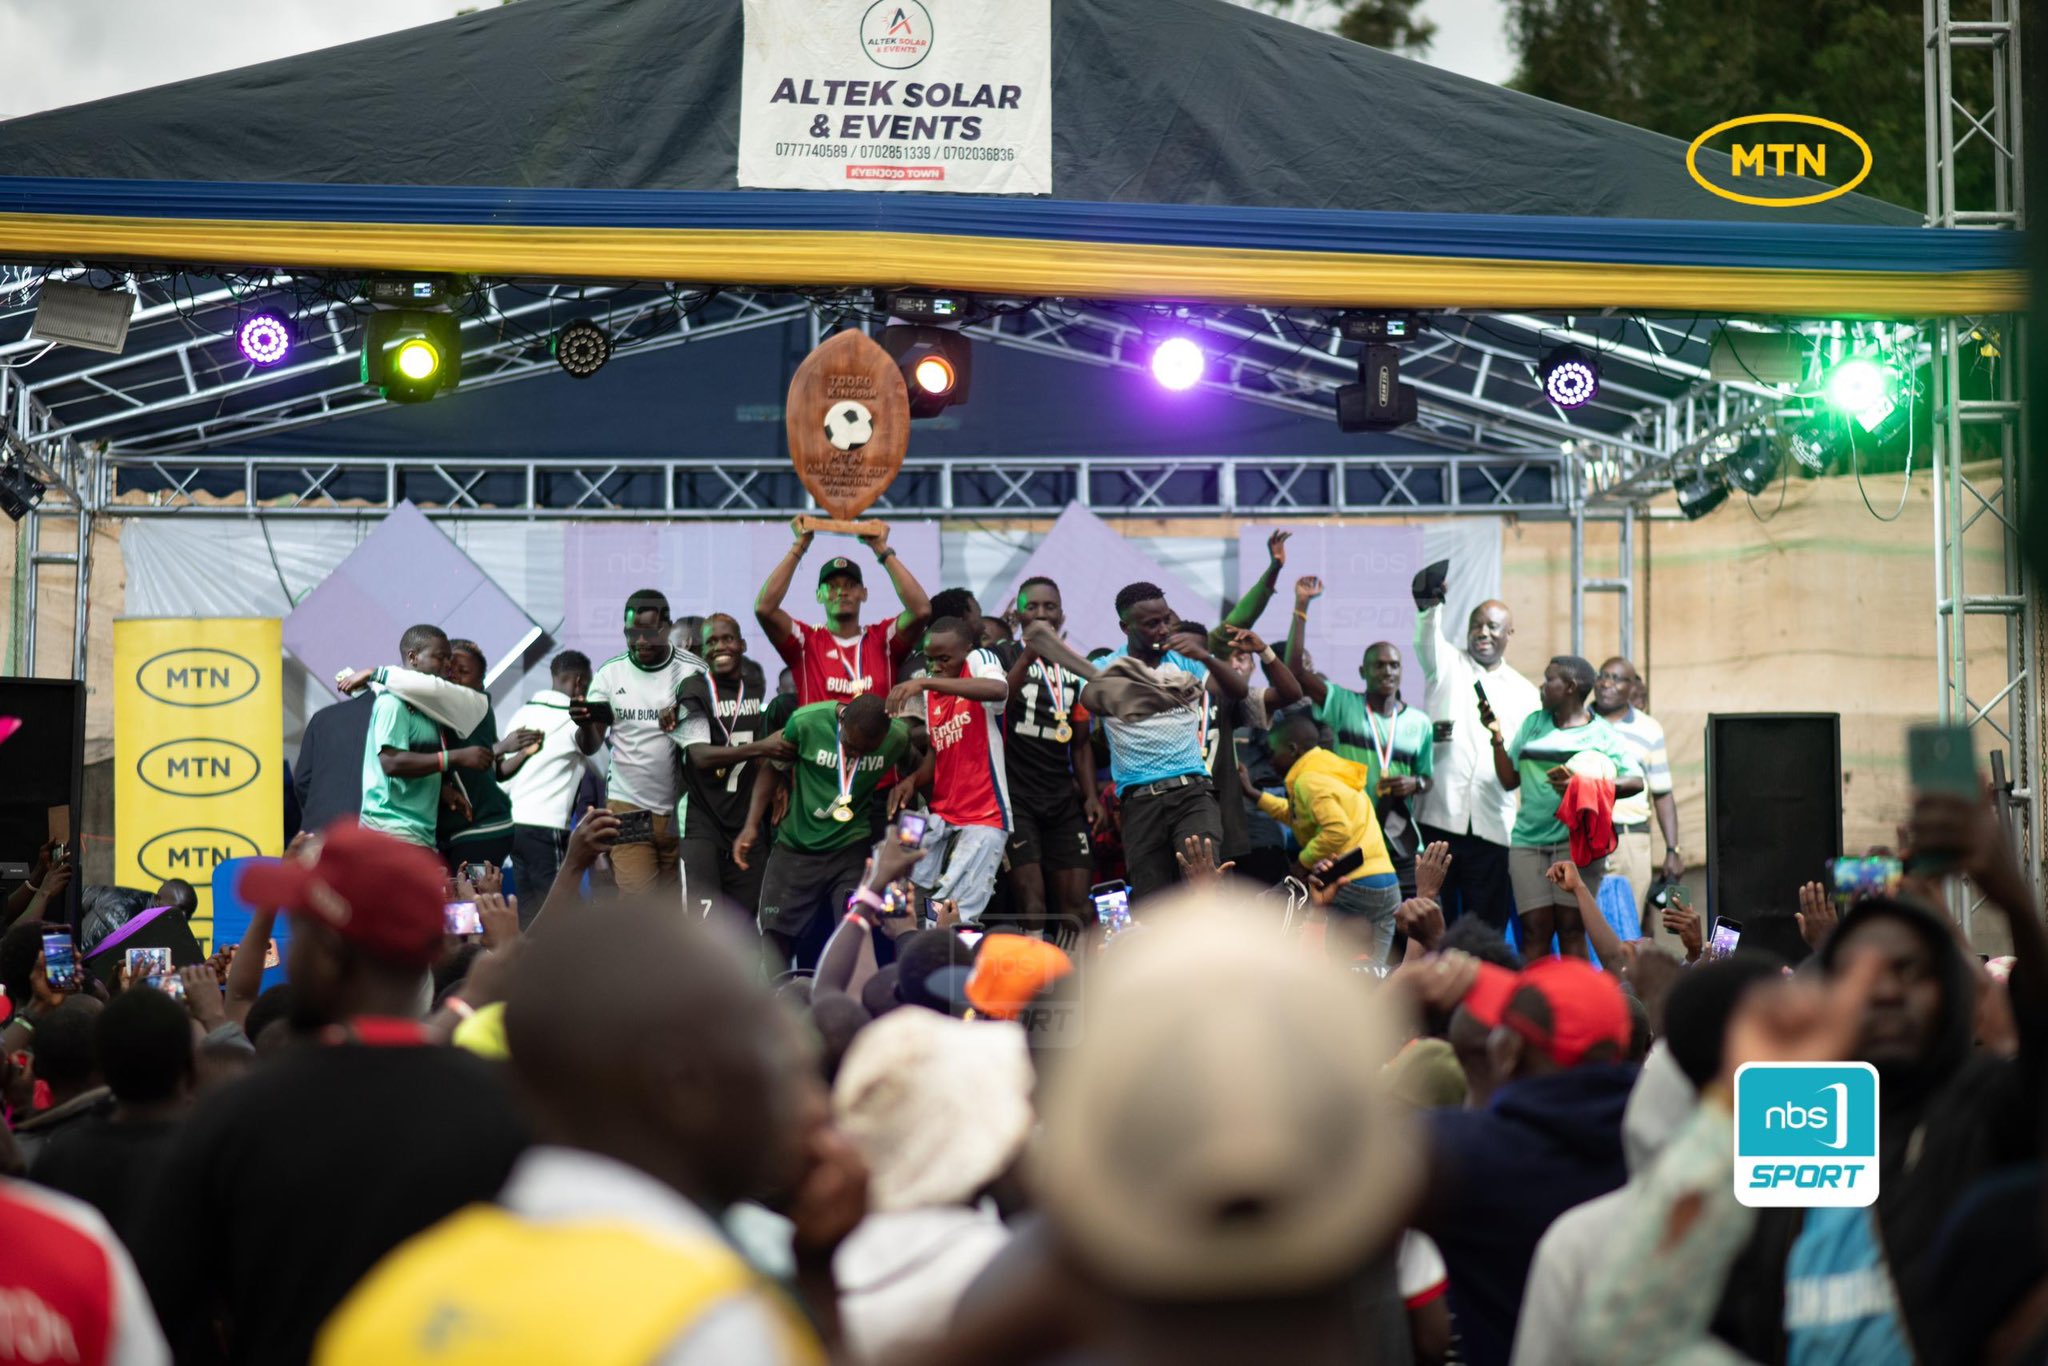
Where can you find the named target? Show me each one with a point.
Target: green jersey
(405, 807)
(1540, 746)
(490, 807)
(809, 827)
(1399, 746)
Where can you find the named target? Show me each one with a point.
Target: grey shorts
(1527, 865)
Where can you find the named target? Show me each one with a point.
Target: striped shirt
(1165, 745)
(1645, 739)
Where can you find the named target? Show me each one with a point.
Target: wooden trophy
(848, 417)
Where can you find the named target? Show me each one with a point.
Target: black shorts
(1058, 839)
(797, 885)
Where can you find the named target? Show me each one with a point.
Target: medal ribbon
(737, 703)
(1386, 750)
(849, 661)
(1056, 684)
(845, 773)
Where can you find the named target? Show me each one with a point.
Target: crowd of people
(1036, 804)
(985, 997)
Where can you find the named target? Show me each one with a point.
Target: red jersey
(969, 786)
(66, 1285)
(828, 668)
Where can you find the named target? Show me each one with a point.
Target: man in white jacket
(1466, 807)
(544, 789)
(406, 756)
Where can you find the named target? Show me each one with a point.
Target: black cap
(836, 568)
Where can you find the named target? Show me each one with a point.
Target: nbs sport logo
(1806, 1134)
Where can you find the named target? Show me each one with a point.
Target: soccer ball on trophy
(849, 425)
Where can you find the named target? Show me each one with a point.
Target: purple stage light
(1570, 377)
(1177, 363)
(265, 339)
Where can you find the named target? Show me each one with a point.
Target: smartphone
(1855, 878)
(60, 962)
(1112, 907)
(1940, 759)
(910, 827)
(635, 827)
(473, 873)
(600, 710)
(169, 983)
(1727, 934)
(1343, 867)
(1485, 707)
(461, 917)
(144, 964)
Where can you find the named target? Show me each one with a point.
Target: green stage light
(1860, 384)
(411, 355)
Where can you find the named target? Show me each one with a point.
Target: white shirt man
(1466, 806)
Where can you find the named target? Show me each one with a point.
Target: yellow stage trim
(1100, 270)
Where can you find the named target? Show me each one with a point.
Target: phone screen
(461, 917)
(144, 964)
(1861, 877)
(60, 962)
(1112, 906)
(910, 826)
(169, 983)
(1727, 934)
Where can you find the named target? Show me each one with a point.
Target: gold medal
(1063, 733)
(842, 811)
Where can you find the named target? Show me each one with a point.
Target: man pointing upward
(1466, 806)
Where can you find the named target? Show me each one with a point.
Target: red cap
(1584, 1007)
(377, 892)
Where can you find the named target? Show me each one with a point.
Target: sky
(63, 52)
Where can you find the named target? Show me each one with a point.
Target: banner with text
(936, 95)
(198, 749)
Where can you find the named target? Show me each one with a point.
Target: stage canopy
(1200, 152)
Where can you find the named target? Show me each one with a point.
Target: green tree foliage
(1389, 24)
(1680, 67)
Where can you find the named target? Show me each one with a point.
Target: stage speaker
(1774, 819)
(42, 754)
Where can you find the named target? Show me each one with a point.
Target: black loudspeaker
(1774, 819)
(42, 765)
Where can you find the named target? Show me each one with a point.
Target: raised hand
(1307, 589)
(803, 534)
(1421, 919)
(1564, 876)
(1197, 859)
(1816, 914)
(500, 917)
(1432, 866)
(1247, 641)
(1276, 546)
(1682, 920)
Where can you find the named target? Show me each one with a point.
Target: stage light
(1755, 464)
(1570, 375)
(937, 365)
(20, 491)
(411, 355)
(581, 348)
(1700, 492)
(418, 359)
(1379, 402)
(933, 375)
(1177, 363)
(1815, 444)
(265, 338)
(1859, 384)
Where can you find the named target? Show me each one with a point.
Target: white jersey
(644, 769)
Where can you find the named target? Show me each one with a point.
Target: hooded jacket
(1571, 1251)
(1504, 1174)
(1328, 809)
(1948, 1119)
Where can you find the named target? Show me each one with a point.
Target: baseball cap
(1011, 969)
(838, 567)
(1227, 1132)
(1565, 1006)
(378, 892)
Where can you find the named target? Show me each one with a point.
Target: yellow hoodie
(1329, 811)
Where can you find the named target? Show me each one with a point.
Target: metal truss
(74, 477)
(1972, 74)
(288, 486)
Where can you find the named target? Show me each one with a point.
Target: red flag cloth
(1588, 812)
